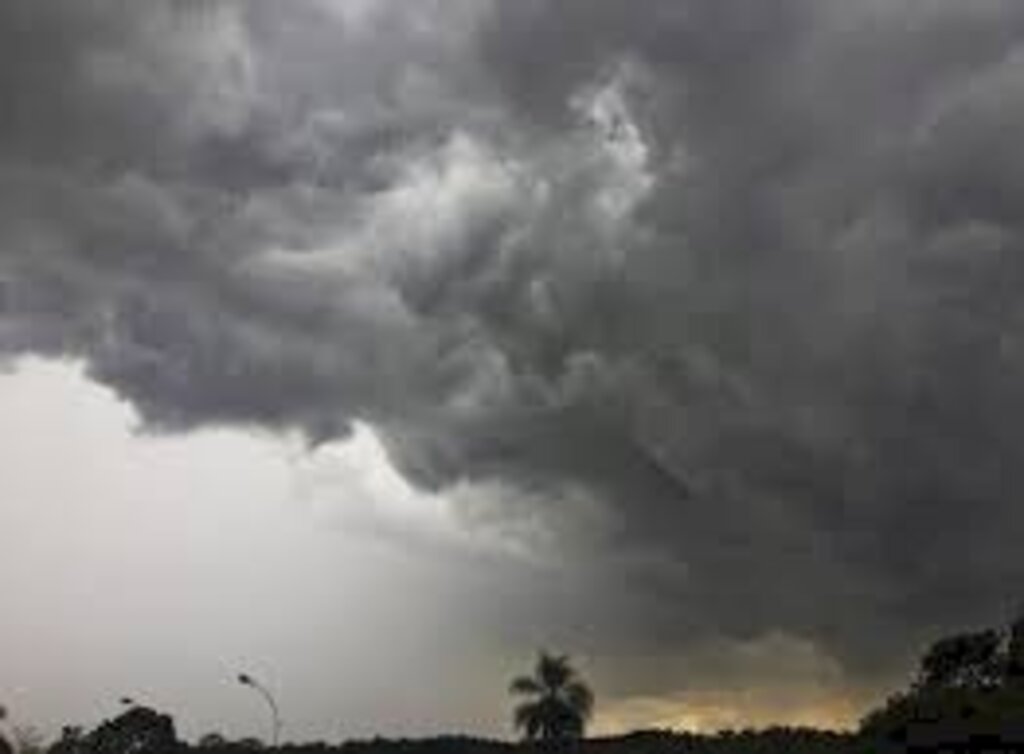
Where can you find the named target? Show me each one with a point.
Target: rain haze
(369, 346)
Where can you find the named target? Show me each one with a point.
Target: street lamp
(275, 717)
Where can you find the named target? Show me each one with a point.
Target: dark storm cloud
(744, 272)
(823, 315)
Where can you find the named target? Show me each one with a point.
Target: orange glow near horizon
(709, 712)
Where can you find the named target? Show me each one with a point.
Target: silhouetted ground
(797, 741)
(938, 738)
(919, 736)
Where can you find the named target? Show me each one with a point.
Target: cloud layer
(724, 292)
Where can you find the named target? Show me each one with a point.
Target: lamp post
(275, 717)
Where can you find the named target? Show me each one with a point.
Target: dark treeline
(780, 739)
(796, 740)
(967, 695)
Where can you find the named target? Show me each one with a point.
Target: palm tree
(558, 703)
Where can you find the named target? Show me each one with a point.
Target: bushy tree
(1014, 664)
(968, 685)
(72, 741)
(139, 730)
(967, 660)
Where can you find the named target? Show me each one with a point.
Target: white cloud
(157, 567)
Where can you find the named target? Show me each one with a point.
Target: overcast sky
(369, 345)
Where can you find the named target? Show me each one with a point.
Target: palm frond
(525, 685)
(528, 718)
(579, 696)
(554, 671)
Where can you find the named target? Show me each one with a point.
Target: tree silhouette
(1014, 663)
(5, 745)
(140, 730)
(968, 686)
(72, 741)
(558, 703)
(966, 660)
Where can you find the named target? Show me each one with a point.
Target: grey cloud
(763, 308)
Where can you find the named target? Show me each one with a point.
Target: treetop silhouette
(558, 703)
